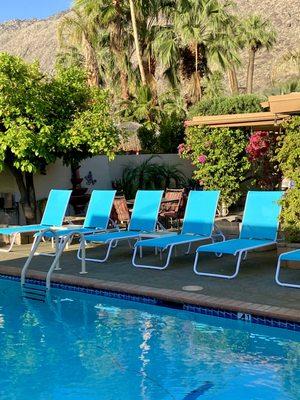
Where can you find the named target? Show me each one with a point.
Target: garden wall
(103, 172)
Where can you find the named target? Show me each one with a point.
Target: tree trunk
(124, 85)
(250, 71)
(137, 43)
(91, 64)
(27, 192)
(233, 82)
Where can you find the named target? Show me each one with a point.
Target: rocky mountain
(37, 39)
(32, 39)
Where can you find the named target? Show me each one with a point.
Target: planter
(21, 238)
(285, 247)
(79, 191)
(76, 181)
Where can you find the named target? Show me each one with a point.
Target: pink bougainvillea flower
(181, 148)
(202, 159)
(259, 144)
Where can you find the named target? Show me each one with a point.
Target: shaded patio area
(253, 291)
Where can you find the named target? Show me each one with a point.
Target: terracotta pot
(285, 247)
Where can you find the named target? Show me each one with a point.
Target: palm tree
(149, 15)
(137, 43)
(113, 19)
(197, 36)
(81, 31)
(255, 34)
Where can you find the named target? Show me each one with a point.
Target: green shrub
(171, 134)
(240, 104)
(220, 159)
(149, 175)
(148, 138)
(289, 161)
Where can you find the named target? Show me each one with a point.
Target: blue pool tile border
(215, 312)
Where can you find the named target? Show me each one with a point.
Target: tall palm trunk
(250, 70)
(137, 43)
(233, 81)
(124, 85)
(91, 63)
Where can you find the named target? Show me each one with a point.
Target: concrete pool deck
(254, 290)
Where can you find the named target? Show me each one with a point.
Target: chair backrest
(145, 210)
(261, 215)
(120, 212)
(200, 212)
(56, 207)
(175, 196)
(99, 209)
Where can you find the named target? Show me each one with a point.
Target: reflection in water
(88, 347)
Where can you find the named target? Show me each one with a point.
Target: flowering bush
(261, 152)
(259, 145)
(289, 161)
(220, 159)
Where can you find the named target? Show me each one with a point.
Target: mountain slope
(36, 39)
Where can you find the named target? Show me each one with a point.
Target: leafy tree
(255, 34)
(81, 30)
(42, 119)
(220, 160)
(171, 133)
(200, 34)
(112, 18)
(289, 161)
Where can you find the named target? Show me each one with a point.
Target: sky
(26, 9)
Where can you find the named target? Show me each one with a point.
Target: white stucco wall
(103, 171)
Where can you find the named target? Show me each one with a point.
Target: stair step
(38, 288)
(42, 299)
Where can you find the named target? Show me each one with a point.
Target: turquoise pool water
(88, 347)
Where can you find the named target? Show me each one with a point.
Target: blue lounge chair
(97, 219)
(97, 216)
(259, 229)
(289, 256)
(54, 213)
(143, 220)
(198, 225)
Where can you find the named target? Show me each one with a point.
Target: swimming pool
(83, 346)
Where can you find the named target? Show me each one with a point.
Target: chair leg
(135, 264)
(238, 263)
(188, 249)
(14, 236)
(278, 281)
(97, 260)
(83, 258)
(57, 248)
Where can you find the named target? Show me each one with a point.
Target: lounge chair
(198, 225)
(143, 220)
(289, 256)
(259, 229)
(170, 210)
(53, 216)
(97, 219)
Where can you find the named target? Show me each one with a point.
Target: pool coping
(223, 307)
